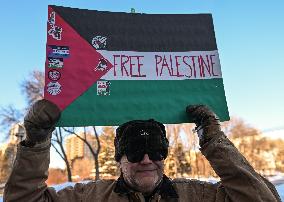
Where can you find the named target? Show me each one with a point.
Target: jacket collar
(165, 188)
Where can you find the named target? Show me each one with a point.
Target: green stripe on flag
(162, 100)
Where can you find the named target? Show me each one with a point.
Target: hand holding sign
(39, 122)
(207, 122)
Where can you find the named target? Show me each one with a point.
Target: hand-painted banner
(131, 65)
(106, 68)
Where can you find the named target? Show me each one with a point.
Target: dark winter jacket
(239, 181)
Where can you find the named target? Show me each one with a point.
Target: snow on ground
(280, 190)
(61, 186)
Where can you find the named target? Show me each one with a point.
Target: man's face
(143, 176)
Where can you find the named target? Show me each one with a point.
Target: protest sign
(106, 68)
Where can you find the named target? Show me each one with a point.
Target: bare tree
(178, 163)
(58, 139)
(9, 115)
(33, 91)
(236, 128)
(192, 145)
(33, 87)
(94, 150)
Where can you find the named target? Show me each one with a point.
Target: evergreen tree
(109, 168)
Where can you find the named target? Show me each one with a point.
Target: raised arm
(30, 169)
(239, 181)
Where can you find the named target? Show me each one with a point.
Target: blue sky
(249, 37)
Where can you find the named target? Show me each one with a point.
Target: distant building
(76, 148)
(8, 150)
(79, 155)
(17, 133)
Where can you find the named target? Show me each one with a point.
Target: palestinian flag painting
(106, 68)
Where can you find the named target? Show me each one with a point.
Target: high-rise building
(79, 155)
(76, 148)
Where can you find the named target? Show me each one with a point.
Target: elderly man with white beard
(141, 146)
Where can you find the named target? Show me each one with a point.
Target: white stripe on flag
(132, 65)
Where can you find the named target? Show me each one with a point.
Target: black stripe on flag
(143, 32)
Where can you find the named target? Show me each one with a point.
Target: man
(140, 148)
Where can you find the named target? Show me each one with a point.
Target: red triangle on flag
(80, 63)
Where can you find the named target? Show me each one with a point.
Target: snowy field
(280, 189)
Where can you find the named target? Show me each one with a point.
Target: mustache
(145, 169)
(149, 167)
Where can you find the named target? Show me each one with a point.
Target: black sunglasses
(137, 156)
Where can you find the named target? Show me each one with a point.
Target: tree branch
(57, 151)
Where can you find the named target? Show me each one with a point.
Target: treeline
(185, 159)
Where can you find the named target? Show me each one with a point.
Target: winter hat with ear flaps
(141, 136)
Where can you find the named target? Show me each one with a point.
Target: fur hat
(146, 135)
